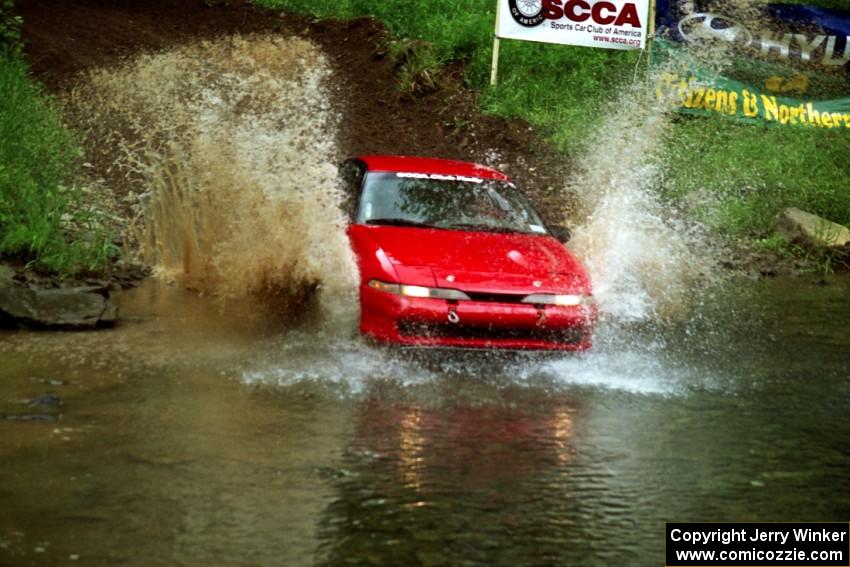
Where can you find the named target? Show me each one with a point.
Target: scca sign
(600, 13)
(610, 24)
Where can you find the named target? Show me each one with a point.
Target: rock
(68, 308)
(810, 230)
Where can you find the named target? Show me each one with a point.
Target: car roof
(410, 164)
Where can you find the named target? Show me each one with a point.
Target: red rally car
(451, 254)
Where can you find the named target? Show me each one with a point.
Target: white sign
(610, 24)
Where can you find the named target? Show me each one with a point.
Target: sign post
(650, 35)
(494, 66)
(494, 69)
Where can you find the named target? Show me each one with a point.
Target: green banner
(702, 93)
(777, 63)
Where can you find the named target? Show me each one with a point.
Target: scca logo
(530, 13)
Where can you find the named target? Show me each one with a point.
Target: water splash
(346, 365)
(231, 144)
(647, 260)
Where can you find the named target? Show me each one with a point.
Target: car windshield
(447, 202)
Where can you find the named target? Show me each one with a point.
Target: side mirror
(351, 173)
(562, 233)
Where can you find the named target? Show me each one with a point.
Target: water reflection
(455, 481)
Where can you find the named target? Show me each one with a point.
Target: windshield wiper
(483, 228)
(399, 222)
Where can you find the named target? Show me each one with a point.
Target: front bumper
(396, 319)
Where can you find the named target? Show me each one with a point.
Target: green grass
(751, 171)
(43, 220)
(754, 171)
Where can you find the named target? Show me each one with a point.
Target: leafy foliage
(41, 220)
(10, 27)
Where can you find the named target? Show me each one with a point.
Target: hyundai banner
(610, 24)
(785, 64)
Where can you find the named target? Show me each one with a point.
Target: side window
(351, 173)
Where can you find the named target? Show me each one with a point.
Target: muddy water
(193, 435)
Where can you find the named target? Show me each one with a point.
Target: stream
(201, 433)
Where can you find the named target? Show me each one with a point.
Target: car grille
(571, 335)
(495, 297)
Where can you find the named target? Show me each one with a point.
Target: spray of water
(641, 259)
(231, 145)
(647, 261)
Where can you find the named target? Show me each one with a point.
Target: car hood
(481, 261)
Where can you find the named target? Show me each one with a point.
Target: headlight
(419, 291)
(414, 291)
(570, 300)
